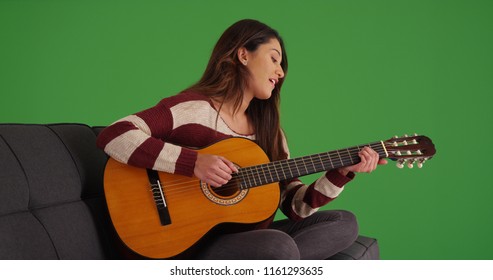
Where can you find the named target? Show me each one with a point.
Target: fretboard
(277, 171)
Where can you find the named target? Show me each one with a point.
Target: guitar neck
(277, 171)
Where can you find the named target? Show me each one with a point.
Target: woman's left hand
(369, 161)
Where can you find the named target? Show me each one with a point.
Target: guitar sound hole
(228, 190)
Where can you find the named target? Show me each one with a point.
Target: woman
(239, 96)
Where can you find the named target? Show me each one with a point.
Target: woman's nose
(280, 72)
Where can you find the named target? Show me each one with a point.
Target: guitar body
(194, 208)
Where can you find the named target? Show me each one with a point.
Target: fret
(282, 169)
(321, 161)
(356, 155)
(265, 175)
(330, 160)
(243, 174)
(313, 164)
(247, 176)
(295, 165)
(252, 176)
(268, 169)
(258, 175)
(339, 155)
(278, 178)
(304, 164)
(242, 181)
(290, 172)
(350, 157)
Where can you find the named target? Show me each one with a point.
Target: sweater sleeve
(140, 140)
(299, 200)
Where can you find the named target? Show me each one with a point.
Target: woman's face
(265, 68)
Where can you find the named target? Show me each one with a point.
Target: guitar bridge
(159, 197)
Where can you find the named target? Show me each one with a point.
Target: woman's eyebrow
(277, 51)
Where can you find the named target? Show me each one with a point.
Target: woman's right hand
(213, 170)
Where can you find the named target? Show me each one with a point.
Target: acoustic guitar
(160, 215)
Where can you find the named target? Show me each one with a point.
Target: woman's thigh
(251, 245)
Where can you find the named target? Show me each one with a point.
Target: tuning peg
(410, 163)
(415, 134)
(395, 142)
(400, 163)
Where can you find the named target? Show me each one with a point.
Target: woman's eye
(274, 60)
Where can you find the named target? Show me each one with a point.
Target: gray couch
(52, 202)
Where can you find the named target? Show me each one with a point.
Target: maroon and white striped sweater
(145, 140)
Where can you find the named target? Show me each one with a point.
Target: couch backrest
(51, 194)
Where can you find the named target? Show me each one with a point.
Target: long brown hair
(225, 79)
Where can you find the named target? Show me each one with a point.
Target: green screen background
(359, 71)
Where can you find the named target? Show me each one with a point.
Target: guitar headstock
(410, 150)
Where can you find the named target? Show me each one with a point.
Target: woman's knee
(329, 232)
(277, 245)
(351, 222)
(264, 244)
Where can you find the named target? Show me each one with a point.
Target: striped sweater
(145, 139)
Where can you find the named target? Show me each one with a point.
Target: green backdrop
(359, 71)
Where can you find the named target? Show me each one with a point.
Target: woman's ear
(243, 55)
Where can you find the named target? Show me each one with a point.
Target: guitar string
(286, 168)
(232, 185)
(286, 165)
(263, 170)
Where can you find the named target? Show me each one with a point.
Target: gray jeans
(319, 236)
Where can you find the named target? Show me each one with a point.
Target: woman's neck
(235, 117)
(229, 107)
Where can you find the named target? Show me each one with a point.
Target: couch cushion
(51, 193)
(364, 248)
(22, 236)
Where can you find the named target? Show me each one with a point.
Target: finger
(220, 165)
(382, 161)
(223, 173)
(374, 160)
(363, 157)
(371, 159)
(230, 165)
(219, 174)
(213, 183)
(365, 160)
(215, 180)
